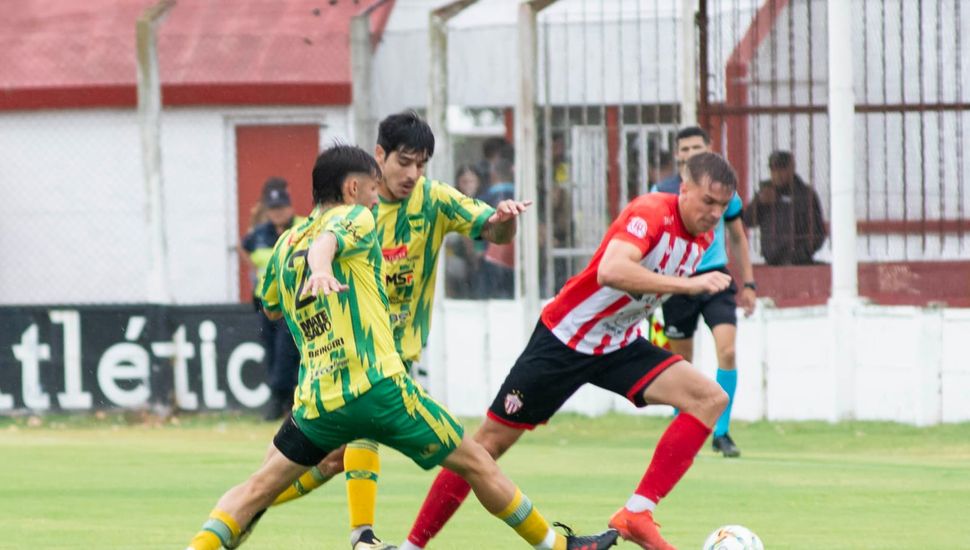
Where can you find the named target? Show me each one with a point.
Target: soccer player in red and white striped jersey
(592, 332)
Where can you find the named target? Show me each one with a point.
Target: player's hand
(709, 283)
(323, 282)
(508, 209)
(746, 299)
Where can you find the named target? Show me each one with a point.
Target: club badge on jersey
(513, 402)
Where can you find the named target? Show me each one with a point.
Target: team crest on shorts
(513, 402)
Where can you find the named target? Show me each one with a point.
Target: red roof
(66, 54)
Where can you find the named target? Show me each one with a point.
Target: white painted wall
(911, 366)
(73, 208)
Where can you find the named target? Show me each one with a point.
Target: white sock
(639, 503)
(356, 533)
(408, 545)
(547, 543)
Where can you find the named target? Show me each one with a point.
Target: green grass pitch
(99, 483)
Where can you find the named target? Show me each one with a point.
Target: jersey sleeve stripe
(479, 223)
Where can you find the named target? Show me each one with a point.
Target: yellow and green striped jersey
(411, 232)
(345, 338)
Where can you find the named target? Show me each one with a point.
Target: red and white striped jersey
(595, 319)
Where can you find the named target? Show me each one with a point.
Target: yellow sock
(309, 481)
(218, 531)
(529, 523)
(362, 466)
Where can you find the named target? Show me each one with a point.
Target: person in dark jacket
(789, 214)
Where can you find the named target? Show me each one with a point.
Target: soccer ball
(733, 537)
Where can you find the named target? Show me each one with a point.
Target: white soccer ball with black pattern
(733, 537)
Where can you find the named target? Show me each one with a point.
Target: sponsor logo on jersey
(401, 278)
(637, 227)
(513, 402)
(316, 325)
(400, 318)
(327, 348)
(417, 222)
(395, 254)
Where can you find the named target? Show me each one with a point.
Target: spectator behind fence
(498, 269)
(493, 149)
(789, 214)
(464, 254)
(661, 167)
(281, 357)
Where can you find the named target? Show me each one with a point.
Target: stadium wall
(910, 365)
(86, 208)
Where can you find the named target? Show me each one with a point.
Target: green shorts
(396, 412)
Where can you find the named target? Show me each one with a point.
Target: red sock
(673, 456)
(447, 493)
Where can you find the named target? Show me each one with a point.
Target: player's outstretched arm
(620, 269)
(320, 261)
(500, 227)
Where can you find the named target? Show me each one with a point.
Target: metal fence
(614, 81)
(764, 88)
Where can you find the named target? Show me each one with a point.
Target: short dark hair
(405, 132)
(504, 169)
(334, 165)
(780, 159)
(714, 166)
(693, 131)
(466, 168)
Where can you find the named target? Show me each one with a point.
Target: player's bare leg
(314, 477)
(727, 378)
(700, 401)
(683, 347)
(331, 465)
(449, 490)
(238, 506)
(500, 496)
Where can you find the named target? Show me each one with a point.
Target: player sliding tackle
(590, 333)
(352, 381)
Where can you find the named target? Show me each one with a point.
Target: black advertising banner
(84, 358)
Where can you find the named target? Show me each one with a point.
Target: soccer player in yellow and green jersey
(356, 353)
(411, 231)
(352, 382)
(414, 214)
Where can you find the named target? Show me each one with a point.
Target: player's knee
(332, 464)
(477, 461)
(726, 357)
(717, 400)
(708, 402)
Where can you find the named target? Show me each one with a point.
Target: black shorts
(548, 372)
(295, 445)
(682, 311)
